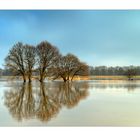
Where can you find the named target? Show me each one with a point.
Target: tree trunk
(30, 80)
(42, 76)
(41, 79)
(24, 78)
(30, 77)
(72, 77)
(68, 78)
(65, 80)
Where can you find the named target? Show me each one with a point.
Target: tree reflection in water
(48, 105)
(45, 101)
(70, 94)
(128, 85)
(20, 102)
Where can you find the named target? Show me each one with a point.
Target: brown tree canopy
(30, 60)
(45, 60)
(15, 60)
(47, 56)
(70, 66)
(21, 60)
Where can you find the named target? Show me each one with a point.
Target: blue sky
(104, 37)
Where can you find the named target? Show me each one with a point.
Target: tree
(82, 69)
(65, 66)
(30, 60)
(47, 56)
(70, 66)
(15, 60)
(130, 73)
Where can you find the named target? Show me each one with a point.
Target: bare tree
(65, 66)
(81, 70)
(47, 56)
(30, 60)
(15, 60)
(70, 66)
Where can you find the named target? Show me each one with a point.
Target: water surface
(85, 103)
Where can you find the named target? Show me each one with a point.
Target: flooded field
(85, 103)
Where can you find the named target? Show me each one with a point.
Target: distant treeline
(98, 70)
(9, 72)
(104, 70)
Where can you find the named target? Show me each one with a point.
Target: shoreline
(77, 78)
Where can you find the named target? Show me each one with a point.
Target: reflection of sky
(96, 37)
(4, 118)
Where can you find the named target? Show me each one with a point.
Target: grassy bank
(105, 78)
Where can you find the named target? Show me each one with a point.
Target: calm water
(86, 103)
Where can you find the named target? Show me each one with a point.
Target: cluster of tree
(129, 71)
(43, 60)
(104, 70)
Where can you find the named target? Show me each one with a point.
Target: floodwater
(81, 103)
